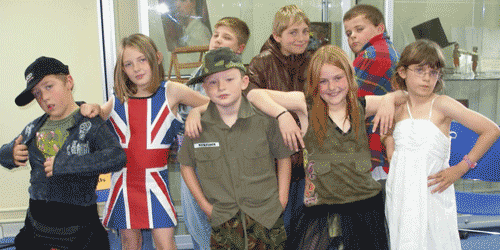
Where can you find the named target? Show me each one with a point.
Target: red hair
(333, 55)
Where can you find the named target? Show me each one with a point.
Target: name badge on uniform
(206, 145)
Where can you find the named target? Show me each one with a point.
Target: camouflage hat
(218, 60)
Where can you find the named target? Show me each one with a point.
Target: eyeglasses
(420, 71)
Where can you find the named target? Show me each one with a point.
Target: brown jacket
(272, 70)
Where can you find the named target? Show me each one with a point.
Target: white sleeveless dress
(418, 219)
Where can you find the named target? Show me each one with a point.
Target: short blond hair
(287, 16)
(238, 26)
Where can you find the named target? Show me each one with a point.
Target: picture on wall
(320, 34)
(185, 23)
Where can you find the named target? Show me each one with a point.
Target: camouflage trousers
(243, 232)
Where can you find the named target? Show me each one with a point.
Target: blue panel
(118, 212)
(172, 132)
(120, 110)
(160, 216)
(478, 204)
(488, 167)
(157, 101)
(102, 195)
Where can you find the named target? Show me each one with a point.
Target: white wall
(126, 19)
(67, 30)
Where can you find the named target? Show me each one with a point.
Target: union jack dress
(139, 196)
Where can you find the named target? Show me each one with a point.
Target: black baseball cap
(40, 68)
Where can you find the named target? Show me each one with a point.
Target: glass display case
(472, 28)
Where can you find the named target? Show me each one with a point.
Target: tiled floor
(475, 241)
(482, 241)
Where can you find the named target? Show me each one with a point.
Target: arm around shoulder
(192, 126)
(94, 109)
(257, 71)
(179, 93)
(383, 107)
(276, 104)
(106, 108)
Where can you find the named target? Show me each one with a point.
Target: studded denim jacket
(89, 150)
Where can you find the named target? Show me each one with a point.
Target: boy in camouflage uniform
(236, 184)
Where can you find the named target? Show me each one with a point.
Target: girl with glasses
(420, 198)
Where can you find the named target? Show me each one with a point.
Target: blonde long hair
(124, 87)
(330, 54)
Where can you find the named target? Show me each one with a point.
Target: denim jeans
(196, 220)
(294, 210)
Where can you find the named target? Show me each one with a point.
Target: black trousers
(362, 224)
(62, 226)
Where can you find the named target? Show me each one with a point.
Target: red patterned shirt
(374, 67)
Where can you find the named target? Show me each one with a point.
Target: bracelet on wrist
(469, 162)
(278, 116)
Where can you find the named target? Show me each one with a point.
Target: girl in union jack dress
(143, 113)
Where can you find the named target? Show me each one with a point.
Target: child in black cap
(235, 183)
(67, 152)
